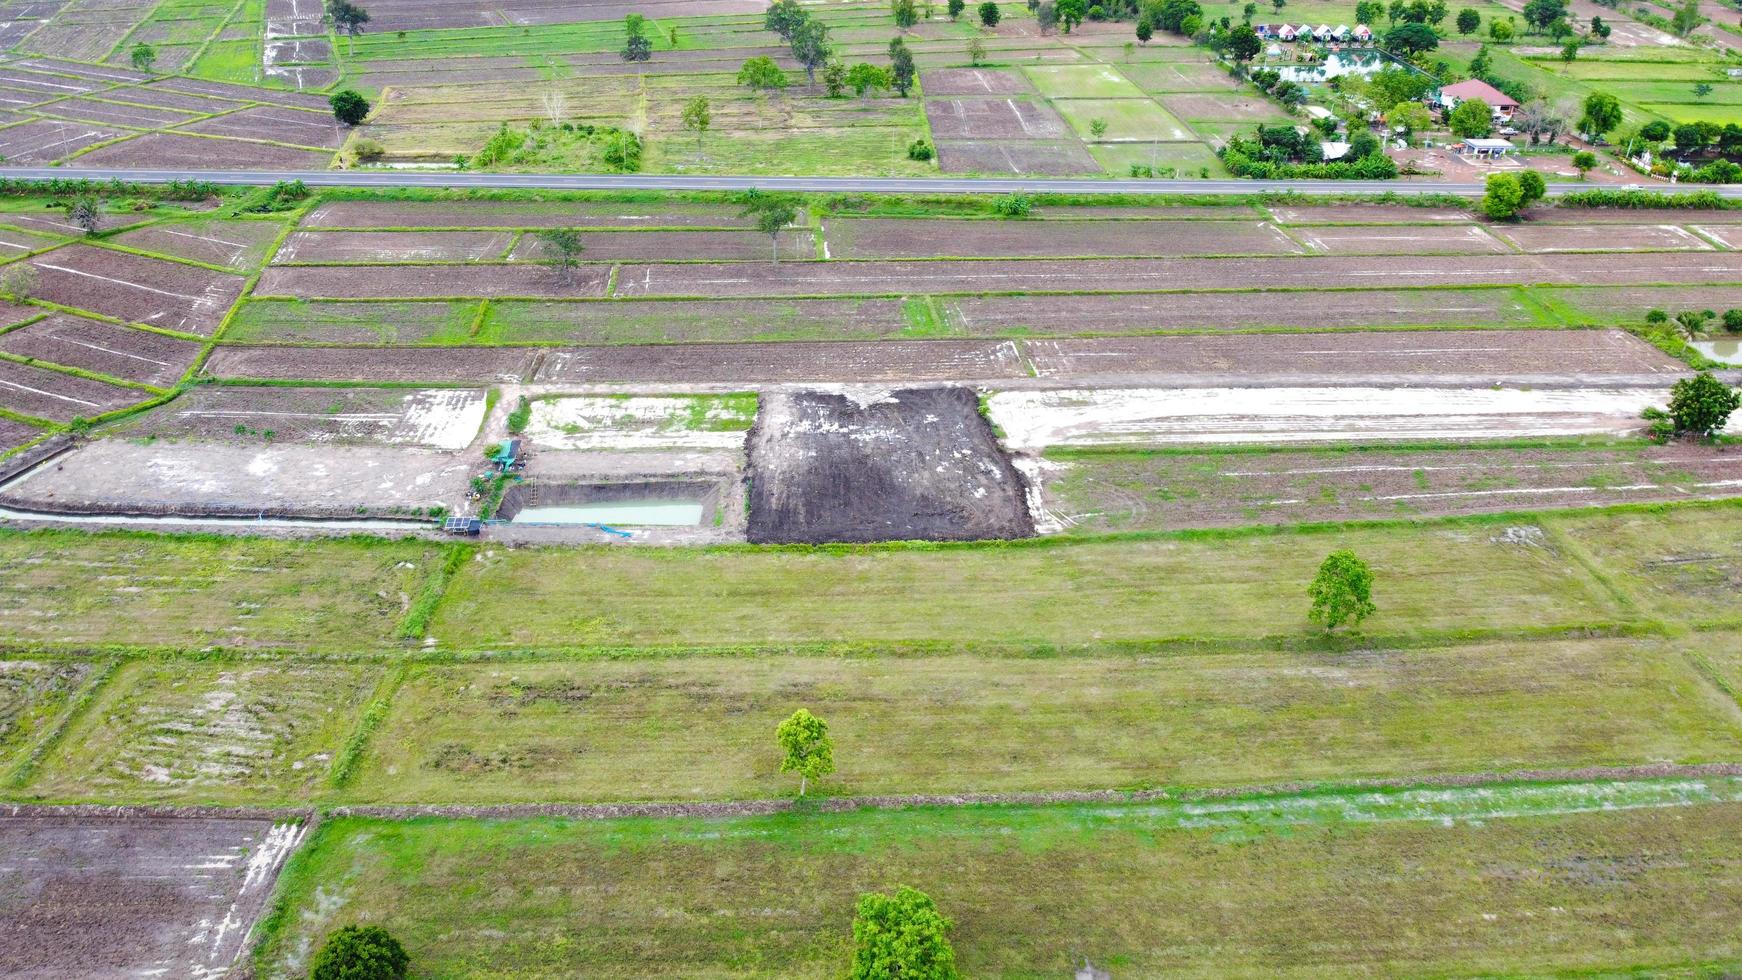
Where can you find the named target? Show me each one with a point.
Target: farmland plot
(33, 694)
(402, 364)
(44, 141)
(522, 214)
(295, 321)
(437, 418)
(137, 289)
(743, 364)
(235, 244)
(885, 238)
(207, 732)
(1686, 564)
(104, 348)
(168, 151)
(14, 434)
(1142, 313)
(96, 896)
(79, 589)
(58, 397)
(695, 321)
(430, 282)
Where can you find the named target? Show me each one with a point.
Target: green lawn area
(1458, 578)
(1445, 882)
(1186, 158)
(201, 732)
(1081, 82)
(71, 589)
(1682, 564)
(699, 728)
(1126, 119)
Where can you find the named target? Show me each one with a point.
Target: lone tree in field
(810, 48)
(1701, 405)
(360, 953)
(901, 70)
(761, 74)
(143, 56)
(1468, 20)
(901, 937)
(636, 45)
(349, 107)
(563, 245)
(906, 13)
(18, 282)
(805, 739)
(86, 212)
(1342, 592)
(955, 7)
(1602, 114)
(698, 115)
(348, 19)
(989, 15)
(1584, 162)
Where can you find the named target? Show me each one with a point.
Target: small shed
(1286, 33)
(1340, 32)
(1485, 149)
(1333, 150)
(1322, 32)
(1362, 33)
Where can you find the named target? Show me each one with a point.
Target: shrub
(522, 414)
(368, 150)
(1013, 205)
(1733, 321)
(1655, 317)
(1701, 405)
(901, 935)
(1342, 592)
(920, 150)
(360, 953)
(349, 107)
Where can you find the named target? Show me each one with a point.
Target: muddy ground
(867, 465)
(435, 418)
(1140, 491)
(133, 897)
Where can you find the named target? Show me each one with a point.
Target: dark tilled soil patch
(171, 151)
(45, 140)
(994, 118)
(92, 896)
(116, 114)
(973, 81)
(1143, 491)
(692, 321)
(245, 93)
(1052, 158)
(885, 238)
(275, 123)
(430, 281)
(16, 243)
(432, 364)
(872, 362)
(1629, 216)
(1607, 237)
(1350, 214)
(1114, 313)
(394, 246)
(410, 15)
(103, 348)
(1105, 275)
(516, 214)
(1426, 353)
(59, 397)
(238, 244)
(135, 288)
(796, 243)
(918, 463)
(1448, 239)
(165, 99)
(15, 434)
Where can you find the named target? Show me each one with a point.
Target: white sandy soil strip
(640, 422)
(1033, 420)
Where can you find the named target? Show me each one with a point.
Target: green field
(1502, 881)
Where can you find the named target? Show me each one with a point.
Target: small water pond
(1728, 351)
(1366, 64)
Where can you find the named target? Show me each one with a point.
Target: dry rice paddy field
(1106, 730)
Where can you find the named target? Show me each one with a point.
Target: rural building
(1286, 33)
(1333, 150)
(1263, 31)
(1322, 33)
(1362, 33)
(1503, 105)
(1485, 149)
(1340, 32)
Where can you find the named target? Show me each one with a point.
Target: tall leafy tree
(1602, 114)
(901, 937)
(636, 44)
(810, 47)
(901, 68)
(783, 18)
(143, 56)
(803, 737)
(1468, 20)
(698, 115)
(761, 74)
(989, 14)
(905, 12)
(1702, 405)
(349, 107)
(1342, 592)
(348, 18)
(360, 953)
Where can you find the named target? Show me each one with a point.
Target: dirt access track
(869, 465)
(133, 897)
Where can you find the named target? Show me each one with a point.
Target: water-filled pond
(1336, 64)
(1728, 351)
(616, 512)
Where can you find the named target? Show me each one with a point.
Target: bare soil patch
(437, 418)
(171, 151)
(1059, 158)
(520, 214)
(15, 434)
(1368, 214)
(1401, 240)
(1123, 492)
(1223, 107)
(238, 244)
(116, 114)
(98, 896)
(917, 463)
(91, 345)
(973, 81)
(1631, 216)
(1114, 313)
(46, 140)
(692, 321)
(1606, 237)
(1012, 118)
(248, 477)
(59, 397)
(394, 246)
(245, 93)
(430, 364)
(134, 288)
(884, 361)
(16, 243)
(1100, 275)
(164, 99)
(408, 15)
(430, 281)
(278, 124)
(796, 243)
(1422, 353)
(882, 238)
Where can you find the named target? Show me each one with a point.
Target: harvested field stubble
(892, 361)
(440, 418)
(434, 365)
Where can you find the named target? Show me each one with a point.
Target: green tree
(563, 246)
(901, 69)
(360, 953)
(1097, 128)
(1531, 187)
(956, 7)
(1570, 51)
(761, 74)
(18, 282)
(1687, 17)
(989, 13)
(783, 18)
(1342, 591)
(698, 115)
(143, 56)
(1702, 405)
(1369, 12)
(1500, 30)
(1411, 39)
(1468, 20)
(1243, 43)
(636, 45)
(349, 107)
(348, 19)
(1539, 14)
(905, 13)
(901, 937)
(835, 78)
(976, 52)
(863, 77)
(1503, 198)
(1412, 116)
(810, 48)
(1277, 5)
(804, 737)
(1598, 28)
(1046, 16)
(1145, 29)
(1602, 114)
(1584, 161)
(1071, 13)
(1702, 89)
(1471, 119)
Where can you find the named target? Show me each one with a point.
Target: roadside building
(1488, 150)
(1503, 105)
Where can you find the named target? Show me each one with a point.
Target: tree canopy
(1342, 592)
(901, 937)
(804, 737)
(360, 953)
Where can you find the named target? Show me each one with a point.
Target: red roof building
(1451, 95)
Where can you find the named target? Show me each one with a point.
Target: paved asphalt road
(843, 185)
